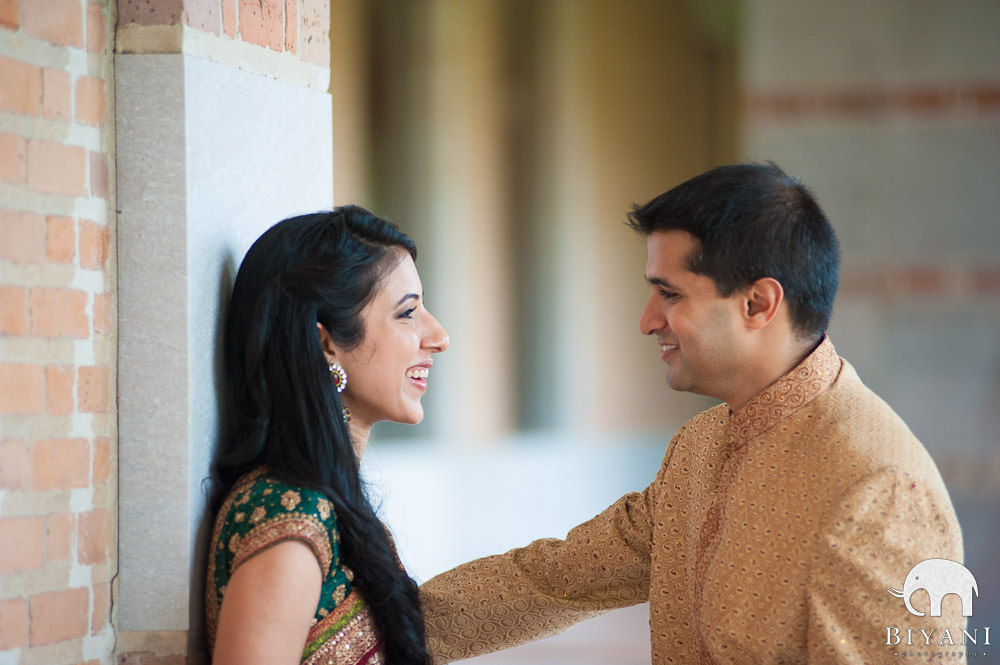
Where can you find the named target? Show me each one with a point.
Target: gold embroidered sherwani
(770, 535)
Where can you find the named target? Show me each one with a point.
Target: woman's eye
(408, 314)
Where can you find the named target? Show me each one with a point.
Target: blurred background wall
(511, 138)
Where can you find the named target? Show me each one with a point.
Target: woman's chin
(413, 417)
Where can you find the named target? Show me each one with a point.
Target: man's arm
(540, 590)
(887, 523)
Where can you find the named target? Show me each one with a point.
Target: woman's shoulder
(264, 496)
(262, 510)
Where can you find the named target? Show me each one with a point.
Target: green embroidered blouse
(260, 512)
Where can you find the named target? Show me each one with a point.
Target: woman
(326, 334)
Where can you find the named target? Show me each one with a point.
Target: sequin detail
(280, 512)
(347, 636)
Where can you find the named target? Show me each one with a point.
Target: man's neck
(776, 363)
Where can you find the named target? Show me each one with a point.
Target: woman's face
(387, 374)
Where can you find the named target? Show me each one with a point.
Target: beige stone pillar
(468, 249)
(223, 128)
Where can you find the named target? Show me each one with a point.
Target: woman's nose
(436, 339)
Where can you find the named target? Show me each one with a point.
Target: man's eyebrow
(407, 297)
(659, 281)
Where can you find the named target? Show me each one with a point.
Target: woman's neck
(360, 433)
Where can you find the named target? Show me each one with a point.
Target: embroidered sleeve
(542, 589)
(272, 513)
(874, 534)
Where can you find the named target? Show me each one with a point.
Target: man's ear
(326, 342)
(763, 299)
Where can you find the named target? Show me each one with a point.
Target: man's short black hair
(754, 221)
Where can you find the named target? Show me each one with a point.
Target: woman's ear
(763, 300)
(326, 342)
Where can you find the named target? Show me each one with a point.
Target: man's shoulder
(716, 415)
(852, 423)
(857, 410)
(708, 424)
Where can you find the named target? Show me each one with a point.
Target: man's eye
(667, 294)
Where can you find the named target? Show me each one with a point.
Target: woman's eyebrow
(407, 297)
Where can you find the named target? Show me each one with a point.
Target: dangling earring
(347, 414)
(339, 376)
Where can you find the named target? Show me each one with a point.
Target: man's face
(699, 331)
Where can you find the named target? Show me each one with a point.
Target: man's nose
(651, 321)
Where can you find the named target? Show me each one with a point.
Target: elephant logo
(938, 577)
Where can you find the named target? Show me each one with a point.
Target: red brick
(229, 17)
(60, 537)
(13, 624)
(22, 237)
(59, 22)
(102, 461)
(13, 310)
(856, 101)
(94, 536)
(59, 381)
(27, 534)
(58, 313)
(90, 101)
(251, 22)
(60, 239)
(22, 388)
(102, 313)
(262, 22)
(10, 17)
(20, 87)
(15, 465)
(60, 464)
(99, 175)
(150, 12)
(12, 158)
(93, 245)
(986, 280)
(59, 616)
(986, 98)
(56, 96)
(916, 280)
(314, 31)
(96, 27)
(291, 25)
(925, 100)
(202, 16)
(101, 608)
(57, 168)
(94, 389)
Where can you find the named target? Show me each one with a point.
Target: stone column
(223, 128)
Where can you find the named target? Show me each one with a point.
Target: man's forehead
(669, 249)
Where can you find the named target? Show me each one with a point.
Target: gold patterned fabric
(261, 512)
(770, 535)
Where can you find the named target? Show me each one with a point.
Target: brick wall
(298, 27)
(58, 329)
(57, 338)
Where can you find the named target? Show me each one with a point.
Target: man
(779, 519)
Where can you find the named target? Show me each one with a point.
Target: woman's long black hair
(285, 413)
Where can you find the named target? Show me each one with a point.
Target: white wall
(209, 156)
